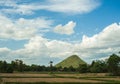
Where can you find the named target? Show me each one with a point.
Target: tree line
(111, 65)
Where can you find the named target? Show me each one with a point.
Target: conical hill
(73, 61)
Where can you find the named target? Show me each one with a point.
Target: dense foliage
(98, 66)
(112, 65)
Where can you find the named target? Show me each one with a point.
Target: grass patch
(27, 77)
(106, 80)
(52, 75)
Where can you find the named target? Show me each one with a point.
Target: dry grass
(83, 75)
(48, 80)
(110, 79)
(23, 75)
(81, 78)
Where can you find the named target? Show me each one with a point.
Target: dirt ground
(113, 79)
(48, 80)
(83, 75)
(36, 77)
(23, 75)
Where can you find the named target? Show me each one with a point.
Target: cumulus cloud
(67, 29)
(39, 46)
(104, 43)
(108, 37)
(63, 6)
(41, 49)
(22, 28)
(4, 52)
(98, 46)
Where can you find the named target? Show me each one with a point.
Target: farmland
(57, 78)
(97, 72)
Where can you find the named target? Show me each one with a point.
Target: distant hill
(73, 61)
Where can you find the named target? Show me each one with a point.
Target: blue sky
(37, 31)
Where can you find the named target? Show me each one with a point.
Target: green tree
(21, 66)
(71, 69)
(9, 68)
(98, 66)
(1, 64)
(83, 68)
(18, 65)
(59, 68)
(65, 69)
(51, 66)
(114, 64)
(14, 65)
(4, 66)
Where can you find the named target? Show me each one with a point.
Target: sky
(39, 31)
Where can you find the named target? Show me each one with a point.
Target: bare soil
(83, 75)
(48, 80)
(113, 79)
(23, 75)
(28, 77)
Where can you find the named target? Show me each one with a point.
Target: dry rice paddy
(58, 78)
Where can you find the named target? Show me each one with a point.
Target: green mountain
(73, 61)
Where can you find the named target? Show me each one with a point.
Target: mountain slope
(73, 61)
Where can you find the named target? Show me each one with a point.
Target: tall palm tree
(51, 62)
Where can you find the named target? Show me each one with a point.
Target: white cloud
(12, 6)
(59, 48)
(63, 6)
(101, 44)
(4, 52)
(41, 50)
(98, 46)
(66, 29)
(108, 37)
(22, 28)
(72, 6)
(8, 3)
(20, 9)
(39, 46)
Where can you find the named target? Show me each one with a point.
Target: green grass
(73, 61)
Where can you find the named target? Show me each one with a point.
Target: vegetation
(5, 67)
(73, 61)
(94, 73)
(71, 64)
(98, 66)
(83, 68)
(114, 64)
(92, 78)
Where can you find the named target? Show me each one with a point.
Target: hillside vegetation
(73, 61)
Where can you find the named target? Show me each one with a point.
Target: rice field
(38, 78)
